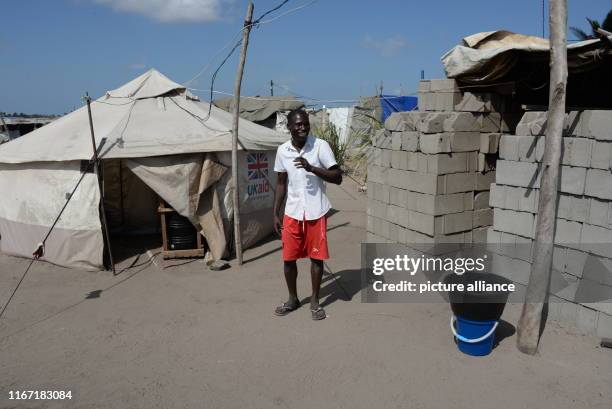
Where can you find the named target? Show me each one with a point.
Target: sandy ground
(186, 337)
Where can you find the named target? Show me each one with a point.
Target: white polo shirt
(306, 198)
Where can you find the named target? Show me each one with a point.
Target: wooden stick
(530, 323)
(236, 197)
(100, 185)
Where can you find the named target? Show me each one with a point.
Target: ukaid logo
(257, 175)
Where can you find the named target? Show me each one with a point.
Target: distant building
(18, 126)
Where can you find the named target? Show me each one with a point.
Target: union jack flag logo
(257, 165)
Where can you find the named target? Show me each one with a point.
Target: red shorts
(304, 238)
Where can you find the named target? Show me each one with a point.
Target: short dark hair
(295, 112)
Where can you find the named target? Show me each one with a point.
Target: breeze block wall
(430, 170)
(583, 237)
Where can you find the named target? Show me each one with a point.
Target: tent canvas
(165, 136)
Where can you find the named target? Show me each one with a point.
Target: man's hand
(302, 163)
(278, 225)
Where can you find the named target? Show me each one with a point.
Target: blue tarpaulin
(394, 103)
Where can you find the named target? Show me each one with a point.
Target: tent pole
(236, 197)
(530, 324)
(100, 186)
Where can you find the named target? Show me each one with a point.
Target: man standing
(304, 164)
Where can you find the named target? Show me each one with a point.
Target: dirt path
(186, 337)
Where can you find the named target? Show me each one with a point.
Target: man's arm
(331, 175)
(279, 197)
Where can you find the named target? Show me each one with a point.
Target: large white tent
(162, 134)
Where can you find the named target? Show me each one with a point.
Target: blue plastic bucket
(474, 338)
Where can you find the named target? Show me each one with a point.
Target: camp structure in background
(270, 112)
(155, 140)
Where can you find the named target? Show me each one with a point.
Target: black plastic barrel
(477, 305)
(182, 235)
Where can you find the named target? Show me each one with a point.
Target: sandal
(286, 307)
(318, 314)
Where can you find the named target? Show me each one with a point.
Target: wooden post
(529, 326)
(96, 165)
(236, 197)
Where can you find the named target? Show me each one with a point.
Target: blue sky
(52, 51)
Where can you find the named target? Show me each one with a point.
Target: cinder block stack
(583, 238)
(431, 170)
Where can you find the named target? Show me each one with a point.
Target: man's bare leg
(316, 275)
(291, 272)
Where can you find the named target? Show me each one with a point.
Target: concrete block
(520, 223)
(396, 215)
(489, 122)
(593, 124)
(415, 181)
(396, 141)
(422, 223)
(481, 200)
(374, 239)
(599, 212)
(446, 101)
(496, 197)
(482, 217)
(477, 102)
(394, 122)
(443, 85)
(410, 141)
(460, 122)
(489, 142)
(377, 174)
(596, 240)
(567, 232)
(479, 235)
(526, 174)
(575, 261)
(483, 180)
(435, 143)
(573, 180)
(459, 182)
(508, 147)
(445, 204)
(599, 184)
(377, 209)
(397, 196)
(385, 157)
(530, 148)
(457, 222)
(601, 155)
(464, 141)
(400, 159)
(447, 163)
(433, 122)
(393, 232)
(532, 123)
(377, 191)
(577, 151)
(572, 207)
(425, 102)
(382, 139)
(374, 156)
(424, 86)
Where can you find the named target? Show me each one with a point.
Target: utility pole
(271, 88)
(530, 323)
(236, 196)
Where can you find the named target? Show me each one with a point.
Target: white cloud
(387, 47)
(170, 11)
